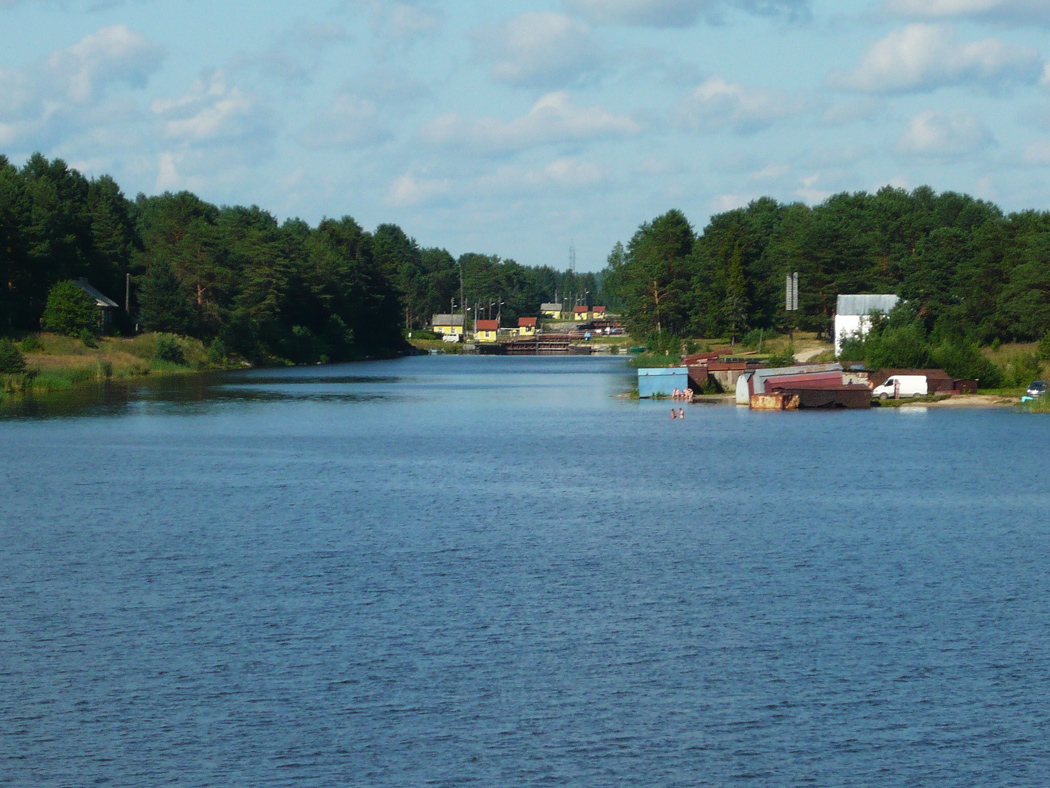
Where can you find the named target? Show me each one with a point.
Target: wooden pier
(545, 345)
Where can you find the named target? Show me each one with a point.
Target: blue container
(662, 382)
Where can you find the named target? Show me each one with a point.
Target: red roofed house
(581, 313)
(526, 326)
(486, 330)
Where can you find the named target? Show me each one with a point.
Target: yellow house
(526, 326)
(551, 310)
(581, 313)
(598, 312)
(486, 330)
(448, 325)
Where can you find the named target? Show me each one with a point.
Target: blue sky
(518, 129)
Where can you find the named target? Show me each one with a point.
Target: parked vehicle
(1037, 389)
(901, 386)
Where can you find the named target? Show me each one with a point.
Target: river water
(451, 571)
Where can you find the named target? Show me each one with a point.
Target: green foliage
(963, 360)
(753, 339)
(782, 358)
(902, 347)
(167, 348)
(69, 310)
(1043, 348)
(31, 344)
(88, 338)
(11, 360)
(1021, 369)
(217, 353)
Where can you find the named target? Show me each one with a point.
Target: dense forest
(965, 269)
(269, 291)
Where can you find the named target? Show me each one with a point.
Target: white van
(901, 386)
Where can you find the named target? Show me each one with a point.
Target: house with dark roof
(107, 307)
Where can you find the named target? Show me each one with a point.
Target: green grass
(58, 363)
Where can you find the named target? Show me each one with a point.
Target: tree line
(966, 270)
(268, 290)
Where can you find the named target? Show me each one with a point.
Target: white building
(853, 314)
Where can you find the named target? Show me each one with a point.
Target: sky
(528, 129)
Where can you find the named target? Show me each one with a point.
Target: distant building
(448, 325)
(598, 312)
(853, 314)
(107, 307)
(526, 326)
(486, 330)
(581, 313)
(551, 310)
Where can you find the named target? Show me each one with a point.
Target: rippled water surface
(449, 571)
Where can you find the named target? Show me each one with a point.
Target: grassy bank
(57, 363)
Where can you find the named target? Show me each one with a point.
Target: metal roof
(100, 300)
(865, 304)
(447, 320)
(550, 307)
(487, 325)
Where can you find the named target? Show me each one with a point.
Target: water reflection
(442, 379)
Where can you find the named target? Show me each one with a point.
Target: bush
(1021, 369)
(69, 310)
(753, 339)
(168, 349)
(31, 344)
(88, 338)
(1044, 347)
(422, 333)
(782, 358)
(964, 360)
(12, 362)
(217, 353)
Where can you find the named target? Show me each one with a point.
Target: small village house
(598, 312)
(582, 313)
(486, 330)
(551, 310)
(526, 326)
(107, 307)
(448, 325)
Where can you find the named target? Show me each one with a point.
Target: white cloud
(74, 93)
(113, 54)
(538, 49)
(845, 112)
(295, 54)
(411, 21)
(412, 190)
(717, 104)
(559, 176)
(1010, 11)
(553, 119)
(678, 13)
(564, 173)
(351, 122)
(809, 194)
(944, 135)
(923, 57)
(213, 110)
(1037, 153)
